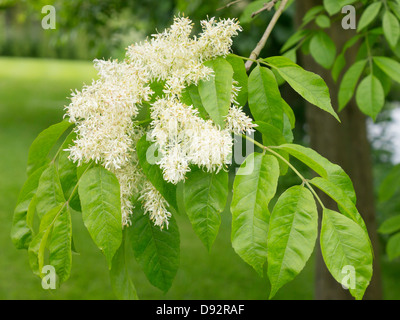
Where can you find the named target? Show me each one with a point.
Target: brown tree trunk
(346, 144)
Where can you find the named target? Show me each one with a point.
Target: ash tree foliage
(370, 77)
(169, 114)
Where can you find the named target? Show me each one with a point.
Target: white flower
(155, 205)
(131, 179)
(175, 57)
(174, 163)
(105, 112)
(184, 138)
(238, 122)
(216, 38)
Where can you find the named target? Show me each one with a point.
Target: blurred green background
(38, 69)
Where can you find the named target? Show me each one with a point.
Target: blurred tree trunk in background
(347, 145)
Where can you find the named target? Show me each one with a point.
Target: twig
(229, 4)
(261, 44)
(267, 7)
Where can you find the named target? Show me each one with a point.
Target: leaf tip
(259, 269)
(271, 295)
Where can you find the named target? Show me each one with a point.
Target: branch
(229, 4)
(267, 7)
(261, 44)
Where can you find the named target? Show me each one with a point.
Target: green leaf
(287, 129)
(338, 66)
(67, 171)
(273, 137)
(323, 49)
(147, 157)
(293, 229)
(294, 39)
(121, 282)
(30, 214)
(288, 4)
(393, 247)
(265, 101)
(36, 250)
(341, 60)
(37, 247)
(395, 8)
(66, 168)
(351, 42)
(191, 97)
(82, 169)
(323, 21)
(391, 28)
(22, 231)
(216, 93)
(332, 6)
(30, 186)
(157, 251)
(50, 217)
(390, 184)
(370, 96)
(384, 79)
(289, 115)
(60, 246)
(205, 196)
(349, 83)
(253, 189)
(323, 167)
(390, 225)
(99, 192)
(239, 75)
(346, 206)
(345, 244)
(362, 52)
(369, 15)
(291, 55)
(144, 114)
(49, 192)
(157, 87)
(389, 66)
(309, 85)
(248, 11)
(42, 145)
(311, 13)
(305, 45)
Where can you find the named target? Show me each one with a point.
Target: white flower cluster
(155, 205)
(105, 111)
(184, 138)
(176, 58)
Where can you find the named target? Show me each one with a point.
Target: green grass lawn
(32, 96)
